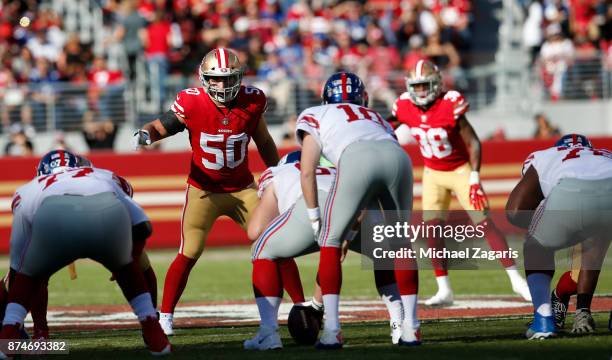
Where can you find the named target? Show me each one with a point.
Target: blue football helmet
(344, 87)
(292, 157)
(572, 140)
(55, 161)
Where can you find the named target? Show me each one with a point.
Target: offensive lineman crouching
(74, 212)
(570, 188)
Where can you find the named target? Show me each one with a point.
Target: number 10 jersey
(219, 137)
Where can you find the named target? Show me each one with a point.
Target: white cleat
(410, 336)
(266, 339)
(330, 340)
(165, 321)
(520, 287)
(440, 299)
(396, 332)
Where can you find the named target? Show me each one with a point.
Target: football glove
(315, 221)
(478, 198)
(140, 138)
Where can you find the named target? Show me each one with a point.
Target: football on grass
(304, 324)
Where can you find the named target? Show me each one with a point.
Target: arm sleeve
(182, 104)
(530, 161)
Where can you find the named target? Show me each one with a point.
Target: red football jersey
(435, 129)
(219, 137)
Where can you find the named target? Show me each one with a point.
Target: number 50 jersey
(435, 129)
(219, 137)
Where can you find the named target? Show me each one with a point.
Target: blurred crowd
(570, 42)
(279, 41)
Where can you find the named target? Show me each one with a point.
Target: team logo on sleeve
(310, 121)
(16, 202)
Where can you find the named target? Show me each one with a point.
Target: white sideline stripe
(248, 312)
(158, 198)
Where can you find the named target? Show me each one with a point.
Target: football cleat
(154, 337)
(330, 340)
(410, 336)
(266, 339)
(442, 298)
(583, 322)
(396, 332)
(40, 334)
(520, 287)
(541, 328)
(165, 321)
(559, 310)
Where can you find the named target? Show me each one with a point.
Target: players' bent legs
(354, 187)
(539, 269)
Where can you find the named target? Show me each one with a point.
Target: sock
(331, 302)
(176, 280)
(566, 287)
(291, 280)
(408, 286)
(143, 306)
(3, 296)
(513, 274)
(440, 265)
(330, 276)
(539, 286)
(409, 303)
(496, 240)
(15, 314)
(583, 301)
(268, 290)
(151, 281)
(391, 297)
(443, 284)
(131, 280)
(38, 308)
(268, 310)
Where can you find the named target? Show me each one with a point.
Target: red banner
(159, 178)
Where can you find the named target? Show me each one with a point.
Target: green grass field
(224, 274)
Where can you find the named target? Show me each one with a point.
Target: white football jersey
(79, 181)
(287, 186)
(336, 126)
(578, 162)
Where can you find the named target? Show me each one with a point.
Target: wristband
(314, 214)
(474, 178)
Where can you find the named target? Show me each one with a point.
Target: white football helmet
(221, 65)
(424, 73)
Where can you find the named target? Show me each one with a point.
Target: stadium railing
(66, 106)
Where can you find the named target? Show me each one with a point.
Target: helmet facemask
(424, 83)
(425, 90)
(221, 75)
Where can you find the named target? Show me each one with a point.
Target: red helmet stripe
(574, 139)
(344, 92)
(218, 54)
(62, 158)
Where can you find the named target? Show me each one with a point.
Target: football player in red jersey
(222, 116)
(451, 152)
